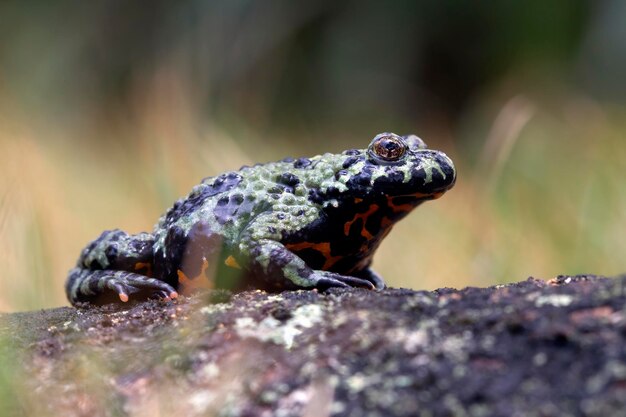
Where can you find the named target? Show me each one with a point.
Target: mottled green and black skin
(297, 223)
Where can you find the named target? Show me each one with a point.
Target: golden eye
(387, 147)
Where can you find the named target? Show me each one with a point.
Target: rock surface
(532, 348)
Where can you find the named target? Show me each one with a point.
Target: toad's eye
(387, 148)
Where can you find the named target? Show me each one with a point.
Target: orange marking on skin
(367, 235)
(146, 265)
(123, 297)
(370, 246)
(407, 207)
(357, 200)
(386, 223)
(399, 208)
(323, 248)
(232, 262)
(188, 285)
(182, 278)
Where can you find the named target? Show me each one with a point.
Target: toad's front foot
(104, 286)
(326, 279)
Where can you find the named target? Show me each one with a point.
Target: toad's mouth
(424, 196)
(419, 189)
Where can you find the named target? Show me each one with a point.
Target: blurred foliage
(10, 386)
(110, 110)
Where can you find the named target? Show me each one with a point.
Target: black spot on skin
(288, 159)
(318, 197)
(275, 196)
(177, 204)
(350, 161)
(117, 235)
(281, 216)
(238, 206)
(271, 229)
(374, 222)
(437, 178)
(396, 176)
(227, 208)
(351, 152)
(332, 192)
(419, 174)
(224, 214)
(369, 169)
(392, 178)
(445, 166)
(281, 314)
(289, 179)
(111, 253)
(141, 245)
(276, 190)
(236, 199)
(340, 173)
(93, 264)
(226, 182)
(302, 163)
(93, 286)
(315, 196)
(314, 259)
(300, 213)
(361, 179)
(417, 181)
(354, 234)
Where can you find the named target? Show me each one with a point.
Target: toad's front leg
(280, 268)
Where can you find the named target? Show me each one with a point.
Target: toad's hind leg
(107, 286)
(114, 266)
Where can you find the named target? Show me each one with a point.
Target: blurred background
(110, 110)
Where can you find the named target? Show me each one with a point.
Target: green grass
(10, 384)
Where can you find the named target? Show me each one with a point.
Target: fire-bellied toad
(298, 223)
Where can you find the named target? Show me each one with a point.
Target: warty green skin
(305, 223)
